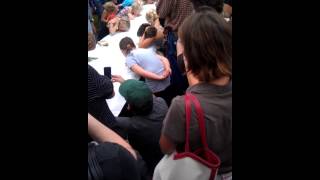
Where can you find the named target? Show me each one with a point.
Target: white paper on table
(111, 56)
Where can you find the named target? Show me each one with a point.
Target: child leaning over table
(150, 38)
(119, 24)
(131, 11)
(110, 11)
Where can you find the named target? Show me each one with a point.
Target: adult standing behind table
(174, 12)
(206, 40)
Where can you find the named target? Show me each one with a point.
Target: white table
(111, 56)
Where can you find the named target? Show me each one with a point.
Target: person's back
(114, 162)
(208, 62)
(111, 157)
(149, 61)
(144, 127)
(144, 132)
(216, 102)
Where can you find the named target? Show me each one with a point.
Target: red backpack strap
(188, 117)
(200, 118)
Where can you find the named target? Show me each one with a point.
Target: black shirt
(144, 132)
(100, 88)
(116, 162)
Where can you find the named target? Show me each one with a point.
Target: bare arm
(227, 9)
(130, 14)
(166, 64)
(113, 25)
(103, 15)
(145, 43)
(146, 74)
(159, 35)
(101, 133)
(166, 145)
(117, 78)
(91, 41)
(179, 47)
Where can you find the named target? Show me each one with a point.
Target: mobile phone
(107, 72)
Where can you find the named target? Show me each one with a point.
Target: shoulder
(176, 108)
(177, 102)
(131, 56)
(159, 102)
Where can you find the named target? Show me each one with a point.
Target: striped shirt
(100, 88)
(174, 11)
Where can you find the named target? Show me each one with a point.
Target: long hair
(207, 41)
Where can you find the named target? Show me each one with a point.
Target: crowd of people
(185, 47)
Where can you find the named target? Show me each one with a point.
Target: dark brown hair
(142, 28)
(126, 44)
(150, 32)
(207, 41)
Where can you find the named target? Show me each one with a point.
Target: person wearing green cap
(144, 127)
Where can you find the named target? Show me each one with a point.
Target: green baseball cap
(136, 92)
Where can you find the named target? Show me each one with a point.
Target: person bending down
(149, 65)
(144, 126)
(131, 11)
(111, 157)
(119, 24)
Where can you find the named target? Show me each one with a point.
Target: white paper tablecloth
(111, 56)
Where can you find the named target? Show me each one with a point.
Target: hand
(166, 73)
(117, 78)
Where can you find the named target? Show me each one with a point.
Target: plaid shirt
(174, 11)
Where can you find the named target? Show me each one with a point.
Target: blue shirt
(127, 3)
(148, 60)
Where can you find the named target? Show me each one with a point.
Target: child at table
(131, 11)
(109, 12)
(125, 3)
(150, 37)
(153, 18)
(148, 1)
(119, 24)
